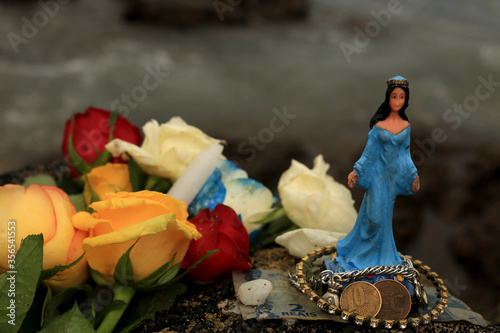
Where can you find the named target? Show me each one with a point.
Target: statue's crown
(399, 80)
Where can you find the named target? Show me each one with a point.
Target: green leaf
(33, 320)
(76, 161)
(161, 300)
(51, 272)
(78, 200)
(157, 184)
(137, 176)
(40, 179)
(164, 279)
(69, 322)
(69, 185)
(205, 256)
(48, 297)
(272, 230)
(18, 289)
(147, 304)
(276, 214)
(282, 226)
(124, 272)
(52, 304)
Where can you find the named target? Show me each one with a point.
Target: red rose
(221, 229)
(91, 132)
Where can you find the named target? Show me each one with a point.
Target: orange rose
(44, 210)
(157, 219)
(109, 178)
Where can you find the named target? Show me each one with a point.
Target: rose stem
(122, 293)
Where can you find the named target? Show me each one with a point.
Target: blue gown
(385, 170)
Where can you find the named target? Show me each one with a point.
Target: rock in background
(196, 12)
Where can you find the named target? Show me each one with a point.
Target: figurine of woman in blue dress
(384, 171)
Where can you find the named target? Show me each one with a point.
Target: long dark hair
(384, 109)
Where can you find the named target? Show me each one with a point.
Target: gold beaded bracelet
(302, 284)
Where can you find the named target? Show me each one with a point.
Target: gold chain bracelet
(300, 281)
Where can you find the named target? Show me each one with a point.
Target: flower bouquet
(111, 242)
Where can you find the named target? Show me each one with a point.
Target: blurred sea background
(322, 75)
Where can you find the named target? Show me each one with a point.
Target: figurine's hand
(352, 179)
(416, 184)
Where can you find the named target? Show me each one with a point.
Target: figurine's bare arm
(416, 184)
(353, 178)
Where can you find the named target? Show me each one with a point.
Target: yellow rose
(44, 210)
(167, 149)
(159, 220)
(109, 178)
(313, 199)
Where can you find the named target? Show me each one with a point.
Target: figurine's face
(397, 99)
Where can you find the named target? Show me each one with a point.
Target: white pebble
(255, 292)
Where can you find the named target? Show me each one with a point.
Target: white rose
(251, 200)
(304, 240)
(167, 149)
(313, 199)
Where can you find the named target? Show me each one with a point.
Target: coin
(396, 300)
(362, 298)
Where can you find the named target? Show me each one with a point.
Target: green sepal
(124, 272)
(137, 176)
(151, 279)
(28, 265)
(69, 322)
(99, 278)
(93, 194)
(40, 179)
(102, 159)
(167, 274)
(113, 117)
(51, 272)
(77, 162)
(165, 279)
